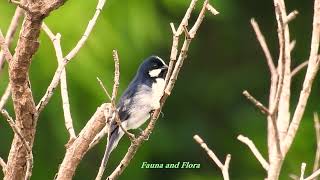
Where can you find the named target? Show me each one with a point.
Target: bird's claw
(141, 133)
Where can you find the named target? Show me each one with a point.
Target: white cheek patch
(155, 72)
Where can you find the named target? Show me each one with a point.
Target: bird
(141, 97)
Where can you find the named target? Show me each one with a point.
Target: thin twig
(303, 168)
(104, 160)
(21, 5)
(173, 29)
(254, 150)
(56, 78)
(175, 67)
(175, 39)
(116, 77)
(104, 88)
(264, 46)
(299, 68)
(17, 132)
(212, 9)
(312, 70)
(66, 105)
(11, 32)
(258, 104)
(284, 65)
(115, 92)
(317, 129)
(292, 45)
(224, 167)
(99, 136)
(76, 151)
(115, 115)
(294, 177)
(313, 175)
(5, 48)
(3, 165)
(199, 20)
(291, 16)
(5, 96)
(279, 106)
(185, 20)
(63, 82)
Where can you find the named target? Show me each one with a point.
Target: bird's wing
(125, 103)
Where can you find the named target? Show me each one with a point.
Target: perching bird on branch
(137, 102)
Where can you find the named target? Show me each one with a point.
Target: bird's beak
(164, 67)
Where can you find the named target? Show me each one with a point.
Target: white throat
(155, 72)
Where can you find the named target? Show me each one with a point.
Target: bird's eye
(154, 66)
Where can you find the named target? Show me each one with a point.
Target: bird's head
(154, 67)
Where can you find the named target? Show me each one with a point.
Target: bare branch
(312, 70)
(10, 32)
(99, 136)
(115, 92)
(175, 39)
(303, 168)
(175, 67)
(115, 115)
(199, 20)
(5, 48)
(283, 68)
(279, 106)
(56, 78)
(313, 175)
(224, 167)
(291, 16)
(258, 104)
(185, 20)
(3, 165)
(299, 68)
(292, 45)
(173, 29)
(87, 32)
(104, 88)
(21, 5)
(80, 146)
(5, 96)
(212, 9)
(294, 177)
(178, 66)
(186, 32)
(23, 102)
(116, 77)
(16, 130)
(63, 81)
(317, 129)
(66, 105)
(264, 46)
(104, 160)
(254, 150)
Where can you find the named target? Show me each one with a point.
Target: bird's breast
(157, 92)
(146, 100)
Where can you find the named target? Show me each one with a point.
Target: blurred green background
(224, 59)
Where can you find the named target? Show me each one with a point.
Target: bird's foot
(162, 114)
(141, 132)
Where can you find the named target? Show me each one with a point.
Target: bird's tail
(112, 143)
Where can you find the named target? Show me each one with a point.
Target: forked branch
(224, 167)
(171, 77)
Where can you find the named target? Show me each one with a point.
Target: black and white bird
(140, 98)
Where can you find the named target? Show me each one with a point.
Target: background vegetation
(223, 60)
